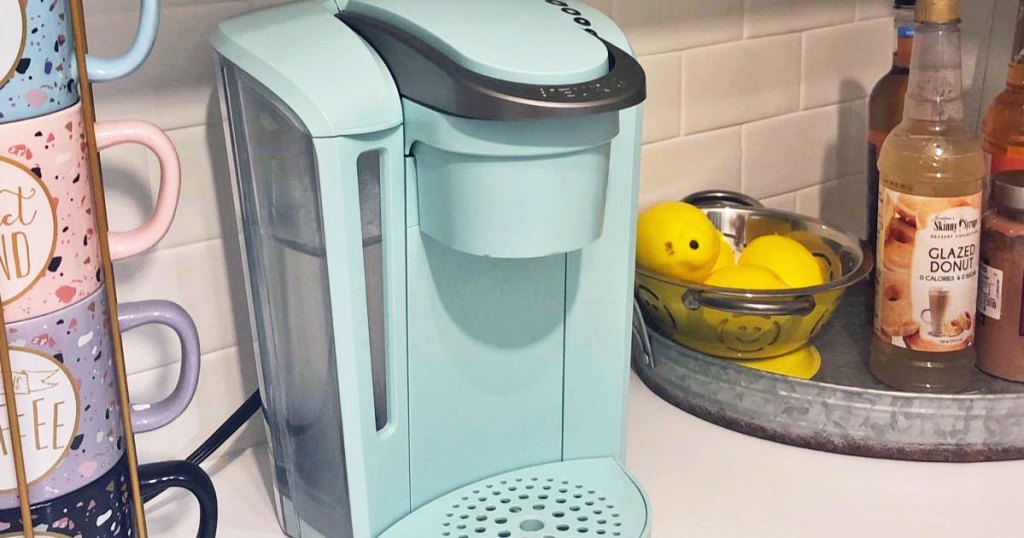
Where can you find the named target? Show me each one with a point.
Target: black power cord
(220, 436)
(226, 430)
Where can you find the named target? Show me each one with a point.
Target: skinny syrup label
(12, 37)
(47, 400)
(28, 229)
(928, 270)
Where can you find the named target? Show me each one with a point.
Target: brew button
(582, 22)
(571, 11)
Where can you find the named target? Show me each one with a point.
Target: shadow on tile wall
(843, 202)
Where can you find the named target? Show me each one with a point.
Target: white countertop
(707, 481)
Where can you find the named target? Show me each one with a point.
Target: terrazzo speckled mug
(67, 393)
(103, 508)
(38, 73)
(49, 252)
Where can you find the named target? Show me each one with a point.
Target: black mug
(103, 508)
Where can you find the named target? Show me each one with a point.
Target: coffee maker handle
(377, 457)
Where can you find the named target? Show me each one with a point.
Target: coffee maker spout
(525, 189)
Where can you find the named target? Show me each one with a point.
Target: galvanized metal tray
(843, 409)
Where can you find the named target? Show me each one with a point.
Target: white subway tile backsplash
(738, 82)
(175, 88)
(983, 30)
(770, 17)
(228, 378)
(206, 199)
(782, 202)
(851, 138)
(204, 278)
(672, 169)
(843, 63)
(654, 26)
(663, 109)
(873, 9)
(127, 186)
(807, 148)
(841, 204)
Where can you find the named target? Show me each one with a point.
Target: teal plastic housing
(526, 189)
(436, 302)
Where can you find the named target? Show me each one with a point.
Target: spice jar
(1000, 331)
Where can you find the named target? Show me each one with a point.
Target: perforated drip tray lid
(576, 499)
(843, 409)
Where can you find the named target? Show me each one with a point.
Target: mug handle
(107, 69)
(155, 478)
(112, 133)
(149, 417)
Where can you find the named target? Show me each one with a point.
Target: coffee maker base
(593, 497)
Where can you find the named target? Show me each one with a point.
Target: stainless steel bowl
(748, 324)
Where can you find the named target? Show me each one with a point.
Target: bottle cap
(1008, 189)
(937, 11)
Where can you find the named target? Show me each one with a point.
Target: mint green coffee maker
(437, 206)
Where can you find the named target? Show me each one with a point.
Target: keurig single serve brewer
(437, 203)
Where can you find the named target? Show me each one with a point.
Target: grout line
(743, 20)
(803, 69)
(682, 93)
(983, 60)
(162, 248)
(693, 135)
(264, 444)
(148, 253)
(743, 160)
(202, 356)
(815, 108)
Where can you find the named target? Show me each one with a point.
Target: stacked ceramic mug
(52, 285)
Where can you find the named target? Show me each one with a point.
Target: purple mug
(68, 398)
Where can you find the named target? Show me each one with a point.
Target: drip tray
(574, 499)
(843, 409)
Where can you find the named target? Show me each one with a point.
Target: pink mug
(49, 250)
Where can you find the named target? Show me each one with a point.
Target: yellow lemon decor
(752, 307)
(677, 240)
(746, 277)
(789, 259)
(726, 255)
(803, 363)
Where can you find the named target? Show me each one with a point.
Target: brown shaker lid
(1008, 189)
(937, 11)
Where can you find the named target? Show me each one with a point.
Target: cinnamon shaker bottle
(1000, 331)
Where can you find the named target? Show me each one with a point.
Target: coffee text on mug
(47, 400)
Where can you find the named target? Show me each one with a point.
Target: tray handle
(641, 336)
(801, 305)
